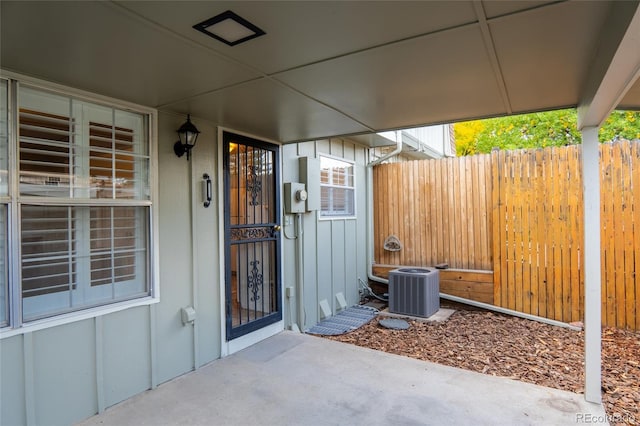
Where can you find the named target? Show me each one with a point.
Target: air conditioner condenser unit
(414, 291)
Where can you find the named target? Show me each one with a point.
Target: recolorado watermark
(604, 419)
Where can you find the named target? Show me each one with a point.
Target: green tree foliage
(538, 130)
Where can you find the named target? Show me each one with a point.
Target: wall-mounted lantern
(188, 134)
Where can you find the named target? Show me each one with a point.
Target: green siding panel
(12, 407)
(64, 367)
(127, 354)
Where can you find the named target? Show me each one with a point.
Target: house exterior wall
(334, 249)
(61, 374)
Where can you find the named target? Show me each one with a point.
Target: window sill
(76, 316)
(337, 217)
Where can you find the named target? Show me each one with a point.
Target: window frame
(14, 200)
(6, 201)
(322, 216)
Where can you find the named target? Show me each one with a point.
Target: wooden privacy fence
(519, 214)
(440, 210)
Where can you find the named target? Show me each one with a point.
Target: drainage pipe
(396, 151)
(370, 165)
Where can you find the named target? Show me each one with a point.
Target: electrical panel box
(309, 172)
(295, 196)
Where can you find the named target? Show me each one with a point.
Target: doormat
(344, 321)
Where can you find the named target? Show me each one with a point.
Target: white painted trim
(592, 265)
(323, 219)
(257, 336)
(224, 350)
(222, 129)
(193, 206)
(355, 188)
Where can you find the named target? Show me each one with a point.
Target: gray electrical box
(309, 172)
(295, 196)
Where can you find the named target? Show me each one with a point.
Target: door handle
(208, 190)
(275, 229)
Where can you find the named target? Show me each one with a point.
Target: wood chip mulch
(530, 351)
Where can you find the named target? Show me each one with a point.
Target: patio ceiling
(337, 68)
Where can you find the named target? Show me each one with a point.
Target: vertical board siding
(334, 249)
(520, 214)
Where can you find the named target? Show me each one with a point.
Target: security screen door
(252, 237)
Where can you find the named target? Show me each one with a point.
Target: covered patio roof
(325, 69)
(330, 68)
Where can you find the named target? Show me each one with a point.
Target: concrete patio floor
(297, 379)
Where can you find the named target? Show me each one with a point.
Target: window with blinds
(116, 249)
(49, 250)
(4, 191)
(45, 153)
(337, 191)
(75, 253)
(81, 256)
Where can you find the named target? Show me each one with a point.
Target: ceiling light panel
(229, 28)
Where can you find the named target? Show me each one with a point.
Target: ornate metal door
(252, 237)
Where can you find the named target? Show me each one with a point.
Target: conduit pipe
(300, 271)
(457, 299)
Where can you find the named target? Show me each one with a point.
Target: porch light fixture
(229, 28)
(188, 134)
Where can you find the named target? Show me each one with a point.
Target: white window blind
(45, 154)
(74, 257)
(117, 250)
(4, 138)
(337, 191)
(4, 191)
(76, 149)
(49, 250)
(73, 254)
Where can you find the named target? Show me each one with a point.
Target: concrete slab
(297, 379)
(442, 315)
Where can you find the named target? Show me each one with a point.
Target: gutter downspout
(457, 299)
(370, 165)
